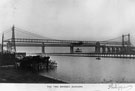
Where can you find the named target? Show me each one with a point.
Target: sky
(70, 19)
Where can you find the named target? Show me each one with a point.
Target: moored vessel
(35, 63)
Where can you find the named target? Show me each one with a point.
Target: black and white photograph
(67, 44)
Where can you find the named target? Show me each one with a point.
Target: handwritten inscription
(120, 87)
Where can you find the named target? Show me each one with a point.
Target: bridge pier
(43, 48)
(97, 47)
(128, 49)
(108, 49)
(113, 49)
(123, 49)
(71, 49)
(103, 49)
(117, 49)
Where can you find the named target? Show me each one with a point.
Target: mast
(2, 43)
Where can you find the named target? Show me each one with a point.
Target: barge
(35, 63)
(27, 63)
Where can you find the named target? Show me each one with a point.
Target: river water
(90, 70)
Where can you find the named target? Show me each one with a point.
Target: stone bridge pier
(108, 49)
(71, 49)
(103, 49)
(43, 48)
(97, 47)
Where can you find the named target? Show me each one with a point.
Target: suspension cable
(30, 33)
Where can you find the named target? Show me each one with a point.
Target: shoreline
(12, 75)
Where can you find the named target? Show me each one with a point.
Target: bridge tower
(123, 44)
(129, 44)
(128, 41)
(13, 39)
(126, 48)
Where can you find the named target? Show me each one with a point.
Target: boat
(78, 50)
(52, 64)
(98, 58)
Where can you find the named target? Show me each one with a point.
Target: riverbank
(9, 74)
